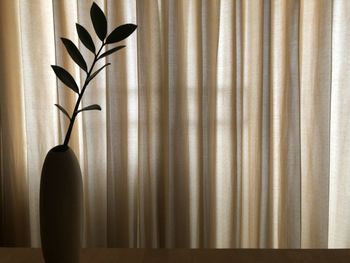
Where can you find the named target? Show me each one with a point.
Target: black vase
(61, 206)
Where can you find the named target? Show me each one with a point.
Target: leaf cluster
(99, 22)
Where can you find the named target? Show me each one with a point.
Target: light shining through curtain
(224, 124)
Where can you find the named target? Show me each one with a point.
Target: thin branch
(75, 112)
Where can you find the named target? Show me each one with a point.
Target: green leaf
(96, 72)
(63, 110)
(99, 21)
(91, 107)
(66, 78)
(108, 52)
(74, 53)
(120, 33)
(85, 38)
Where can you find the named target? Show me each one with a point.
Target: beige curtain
(224, 123)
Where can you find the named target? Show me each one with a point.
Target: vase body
(61, 196)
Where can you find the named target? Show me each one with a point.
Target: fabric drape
(224, 124)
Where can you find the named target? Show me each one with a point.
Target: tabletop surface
(107, 255)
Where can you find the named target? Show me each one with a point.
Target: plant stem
(75, 112)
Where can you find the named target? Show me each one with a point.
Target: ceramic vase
(61, 196)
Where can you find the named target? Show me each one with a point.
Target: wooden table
(104, 255)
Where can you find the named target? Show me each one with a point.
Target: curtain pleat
(223, 125)
(315, 90)
(38, 97)
(339, 183)
(284, 152)
(15, 219)
(210, 34)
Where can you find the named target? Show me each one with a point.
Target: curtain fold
(15, 223)
(315, 90)
(224, 124)
(284, 126)
(339, 182)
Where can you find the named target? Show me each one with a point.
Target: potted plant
(61, 181)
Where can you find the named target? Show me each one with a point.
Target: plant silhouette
(99, 22)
